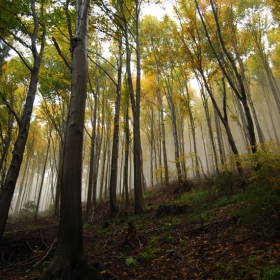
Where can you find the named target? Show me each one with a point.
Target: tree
(54, 89)
(69, 260)
(152, 36)
(135, 99)
(115, 148)
(230, 69)
(33, 21)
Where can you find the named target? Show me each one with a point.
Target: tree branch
(61, 54)
(19, 54)
(10, 108)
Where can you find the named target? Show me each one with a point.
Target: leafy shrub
(130, 261)
(261, 199)
(151, 249)
(194, 197)
(150, 192)
(271, 274)
(28, 207)
(225, 200)
(262, 195)
(223, 182)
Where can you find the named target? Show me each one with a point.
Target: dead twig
(5, 260)
(215, 223)
(42, 239)
(29, 246)
(48, 250)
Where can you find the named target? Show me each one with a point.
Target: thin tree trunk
(174, 133)
(8, 188)
(92, 154)
(115, 148)
(220, 141)
(180, 129)
(204, 147)
(258, 38)
(103, 176)
(135, 104)
(42, 180)
(268, 103)
(126, 156)
(187, 103)
(6, 144)
(224, 57)
(21, 184)
(209, 126)
(152, 146)
(99, 139)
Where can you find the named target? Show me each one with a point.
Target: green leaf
(130, 261)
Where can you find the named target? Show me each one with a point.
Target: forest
(114, 117)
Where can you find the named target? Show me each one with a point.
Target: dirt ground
(163, 243)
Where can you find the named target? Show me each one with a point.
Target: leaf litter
(171, 245)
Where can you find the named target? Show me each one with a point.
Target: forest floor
(191, 234)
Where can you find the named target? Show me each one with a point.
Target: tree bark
(126, 156)
(135, 104)
(8, 188)
(115, 147)
(69, 261)
(174, 132)
(92, 153)
(42, 180)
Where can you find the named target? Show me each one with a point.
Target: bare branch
(61, 54)
(19, 54)
(10, 108)
(109, 76)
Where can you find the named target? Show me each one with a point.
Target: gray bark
(135, 105)
(42, 181)
(115, 146)
(69, 260)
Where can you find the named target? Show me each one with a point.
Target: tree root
(62, 269)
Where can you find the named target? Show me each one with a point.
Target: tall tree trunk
(242, 124)
(59, 177)
(115, 148)
(69, 260)
(152, 146)
(224, 119)
(209, 126)
(135, 105)
(126, 156)
(8, 188)
(105, 159)
(99, 139)
(205, 149)
(21, 185)
(192, 124)
(162, 134)
(268, 103)
(42, 180)
(220, 141)
(174, 132)
(260, 49)
(224, 57)
(180, 129)
(92, 153)
(6, 145)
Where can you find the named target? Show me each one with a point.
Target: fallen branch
(44, 257)
(209, 225)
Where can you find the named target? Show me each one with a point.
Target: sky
(158, 10)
